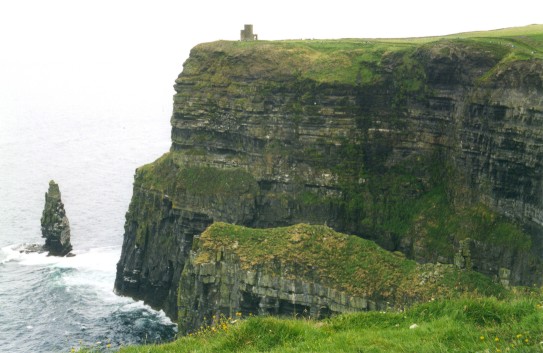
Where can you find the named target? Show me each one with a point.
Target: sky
(137, 48)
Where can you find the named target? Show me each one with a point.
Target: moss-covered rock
(306, 271)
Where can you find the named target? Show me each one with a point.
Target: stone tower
(247, 33)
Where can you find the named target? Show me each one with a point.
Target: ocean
(89, 137)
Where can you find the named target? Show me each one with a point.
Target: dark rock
(55, 226)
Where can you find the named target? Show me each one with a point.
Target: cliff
(305, 271)
(416, 144)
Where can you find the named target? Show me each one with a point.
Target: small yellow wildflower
(519, 335)
(238, 314)
(498, 350)
(497, 339)
(482, 338)
(526, 340)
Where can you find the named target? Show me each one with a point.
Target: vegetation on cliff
(457, 310)
(394, 200)
(399, 205)
(359, 61)
(348, 263)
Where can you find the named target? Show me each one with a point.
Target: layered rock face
(304, 271)
(55, 227)
(417, 147)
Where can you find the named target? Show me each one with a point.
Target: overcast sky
(53, 42)
(98, 29)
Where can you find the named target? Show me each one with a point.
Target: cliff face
(416, 146)
(304, 271)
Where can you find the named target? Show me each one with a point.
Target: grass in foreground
(462, 325)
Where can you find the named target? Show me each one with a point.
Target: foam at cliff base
(102, 259)
(93, 268)
(9, 253)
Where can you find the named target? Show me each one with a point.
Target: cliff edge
(416, 144)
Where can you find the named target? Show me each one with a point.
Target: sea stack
(55, 227)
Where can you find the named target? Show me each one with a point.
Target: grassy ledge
(347, 263)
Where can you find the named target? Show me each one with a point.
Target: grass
(461, 325)
(165, 176)
(348, 61)
(437, 223)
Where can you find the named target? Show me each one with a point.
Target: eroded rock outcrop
(55, 226)
(305, 271)
(415, 146)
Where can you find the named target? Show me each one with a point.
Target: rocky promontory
(418, 145)
(55, 226)
(305, 271)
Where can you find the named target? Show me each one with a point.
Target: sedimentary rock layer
(305, 271)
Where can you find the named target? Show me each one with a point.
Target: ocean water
(89, 139)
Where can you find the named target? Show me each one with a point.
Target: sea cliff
(432, 147)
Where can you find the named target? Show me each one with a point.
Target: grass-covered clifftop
(359, 61)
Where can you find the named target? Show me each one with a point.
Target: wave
(76, 302)
(94, 268)
(8, 254)
(101, 258)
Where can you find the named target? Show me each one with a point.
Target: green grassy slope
(462, 325)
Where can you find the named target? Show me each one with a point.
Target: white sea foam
(98, 259)
(8, 253)
(141, 307)
(94, 268)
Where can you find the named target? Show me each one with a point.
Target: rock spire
(55, 227)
